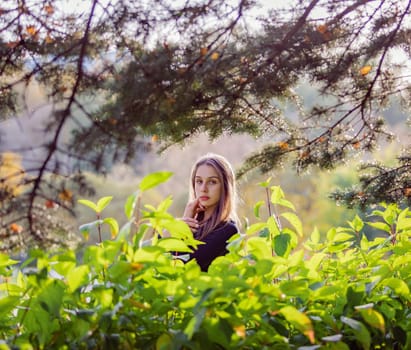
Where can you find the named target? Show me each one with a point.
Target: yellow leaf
(215, 56)
(154, 138)
(66, 195)
(365, 70)
(31, 30)
(49, 9)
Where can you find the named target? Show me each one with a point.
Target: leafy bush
(273, 290)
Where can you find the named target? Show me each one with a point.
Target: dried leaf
(322, 28)
(31, 30)
(49, 9)
(365, 70)
(16, 228)
(66, 195)
(283, 145)
(48, 39)
(215, 56)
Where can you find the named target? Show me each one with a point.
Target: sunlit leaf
(130, 205)
(103, 202)
(300, 321)
(86, 228)
(77, 277)
(257, 208)
(6, 261)
(89, 204)
(373, 318)
(380, 226)
(113, 226)
(295, 221)
(265, 183)
(398, 286)
(174, 244)
(154, 179)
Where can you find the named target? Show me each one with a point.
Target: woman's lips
(204, 198)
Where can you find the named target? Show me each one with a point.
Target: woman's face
(207, 186)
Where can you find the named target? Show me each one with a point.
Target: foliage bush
(275, 289)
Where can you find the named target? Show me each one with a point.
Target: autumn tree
(122, 71)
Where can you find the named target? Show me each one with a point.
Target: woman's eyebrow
(210, 177)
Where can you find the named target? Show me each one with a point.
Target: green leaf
(259, 247)
(154, 179)
(6, 261)
(276, 194)
(374, 319)
(257, 227)
(7, 304)
(403, 222)
(299, 320)
(257, 209)
(86, 228)
(195, 323)
(295, 288)
(398, 286)
(130, 205)
(164, 342)
(125, 230)
(103, 202)
(380, 226)
(343, 237)
(360, 331)
(89, 204)
(113, 226)
(282, 244)
(357, 224)
(273, 226)
(286, 203)
(265, 183)
(174, 244)
(315, 236)
(295, 221)
(77, 277)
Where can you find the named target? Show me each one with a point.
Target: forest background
(309, 191)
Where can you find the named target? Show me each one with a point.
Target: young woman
(211, 210)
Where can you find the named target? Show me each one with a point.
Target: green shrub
(273, 290)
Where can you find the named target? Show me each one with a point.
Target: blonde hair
(226, 209)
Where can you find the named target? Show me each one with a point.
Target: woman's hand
(190, 213)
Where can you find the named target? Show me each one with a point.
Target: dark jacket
(215, 245)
